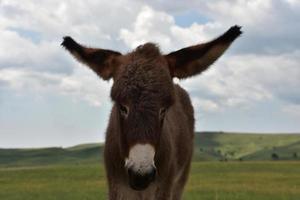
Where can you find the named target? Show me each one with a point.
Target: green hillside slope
(246, 146)
(48, 156)
(208, 146)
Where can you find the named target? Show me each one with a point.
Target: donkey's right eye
(123, 110)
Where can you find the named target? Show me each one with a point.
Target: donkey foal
(149, 138)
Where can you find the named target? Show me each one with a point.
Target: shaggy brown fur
(150, 109)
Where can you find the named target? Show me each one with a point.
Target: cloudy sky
(48, 99)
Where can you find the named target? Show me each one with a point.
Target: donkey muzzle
(140, 166)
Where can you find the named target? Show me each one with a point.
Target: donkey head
(143, 91)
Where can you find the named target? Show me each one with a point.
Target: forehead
(142, 75)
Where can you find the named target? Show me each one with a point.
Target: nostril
(129, 171)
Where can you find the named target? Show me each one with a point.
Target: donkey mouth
(140, 182)
(138, 186)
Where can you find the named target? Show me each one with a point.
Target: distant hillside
(49, 156)
(208, 146)
(246, 146)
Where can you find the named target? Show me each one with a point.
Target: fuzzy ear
(101, 61)
(193, 60)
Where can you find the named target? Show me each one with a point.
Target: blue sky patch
(34, 36)
(186, 19)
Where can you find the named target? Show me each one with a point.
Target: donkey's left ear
(193, 60)
(101, 61)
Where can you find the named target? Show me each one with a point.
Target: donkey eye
(123, 110)
(162, 112)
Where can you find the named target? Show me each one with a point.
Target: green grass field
(76, 173)
(259, 180)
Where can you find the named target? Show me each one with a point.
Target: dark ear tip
(69, 43)
(236, 29)
(232, 33)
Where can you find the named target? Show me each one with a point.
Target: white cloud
(22, 80)
(30, 35)
(269, 26)
(159, 27)
(293, 2)
(248, 12)
(205, 105)
(149, 26)
(292, 109)
(244, 80)
(81, 85)
(55, 18)
(19, 52)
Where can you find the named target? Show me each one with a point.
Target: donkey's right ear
(101, 61)
(195, 59)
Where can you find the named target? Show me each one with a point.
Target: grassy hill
(209, 146)
(89, 153)
(246, 146)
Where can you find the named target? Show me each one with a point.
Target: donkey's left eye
(162, 112)
(124, 110)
